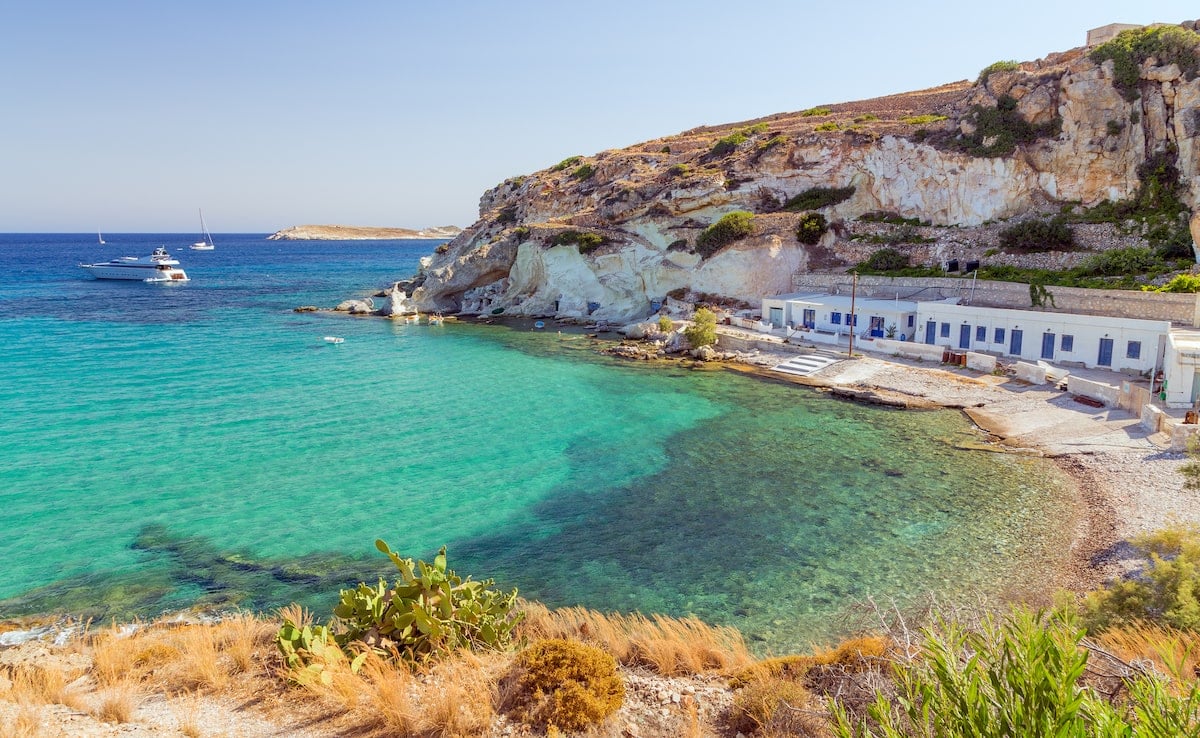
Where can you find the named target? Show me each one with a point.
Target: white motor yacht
(157, 267)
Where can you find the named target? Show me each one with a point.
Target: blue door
(1105, 352)
(1047, 345)
(931, 332)
(876, 327)
(776, 317)
(810, 318)
(1014, 347)
(964, 337)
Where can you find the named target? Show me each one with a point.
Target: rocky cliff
(608, 235)
(359, 233)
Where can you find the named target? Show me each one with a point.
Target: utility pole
(853, 320)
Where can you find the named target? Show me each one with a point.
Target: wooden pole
(853, 320)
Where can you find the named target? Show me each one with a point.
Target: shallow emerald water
(169, 447)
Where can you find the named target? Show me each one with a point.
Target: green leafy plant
(812, 112)
(810, 228)
(827, 127)
(731, 227)
(1000, 66)
(428, 612)
(703, 330)
(1016, 677)
(815, 198)
(679, 170)
(584, 171)
(1180, 283)
(564, 685)
(665, 324)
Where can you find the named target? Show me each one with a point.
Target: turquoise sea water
(166, 445)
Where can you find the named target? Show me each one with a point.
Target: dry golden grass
(245, 635)
(27, 724)
(42, 685)
(670, 646)
(118, 704)
(1173, 652)
(388, 692)
(461, 694)
(773, 706)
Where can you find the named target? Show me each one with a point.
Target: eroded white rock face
(650, 201)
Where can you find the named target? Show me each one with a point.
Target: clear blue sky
(128, 116)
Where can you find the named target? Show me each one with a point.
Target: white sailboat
(206, 243)
(100, 238)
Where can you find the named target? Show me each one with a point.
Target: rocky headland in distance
(359, 233)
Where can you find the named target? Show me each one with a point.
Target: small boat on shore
(412, 319)
(334, 339)
(157, 267)
(436, 320)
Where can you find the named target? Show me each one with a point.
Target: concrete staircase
(807, 364)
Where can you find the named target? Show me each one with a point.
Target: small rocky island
(359, 233)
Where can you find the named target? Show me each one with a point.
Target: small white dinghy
(334, 339)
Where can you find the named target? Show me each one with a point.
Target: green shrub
(1114, 127)
(570, 161)
(584, 171)
(920, 120)
(1129, 49)
(1181, 283)
(772, 142)
(885, 260)
(810, 228)
(665, 324)
(1038, 235)
(585, 240)
(731, 227)
(883, 216)
(827, 127)
(429, 612)
(1166, 590)
(665, 150)
(1000, 66)
(521, 232)
(728, 144)
(811, 112)
(566, 685)
(815, 198)
(1118, 262)
(703, 330)
(867, 118)
(679, 170)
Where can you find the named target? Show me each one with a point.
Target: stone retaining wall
(1177, 308)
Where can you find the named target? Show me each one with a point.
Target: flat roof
(842, 302)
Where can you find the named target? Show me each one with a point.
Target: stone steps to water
(807, 364)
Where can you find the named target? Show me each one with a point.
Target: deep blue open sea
(172, 445)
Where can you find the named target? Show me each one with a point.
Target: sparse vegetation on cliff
(1130, 49)
(999, 66)
(570, 161)
(810, 228)
(727, 144)
(999, 129)
(815, 198)
(586, 241)
(731, 227)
